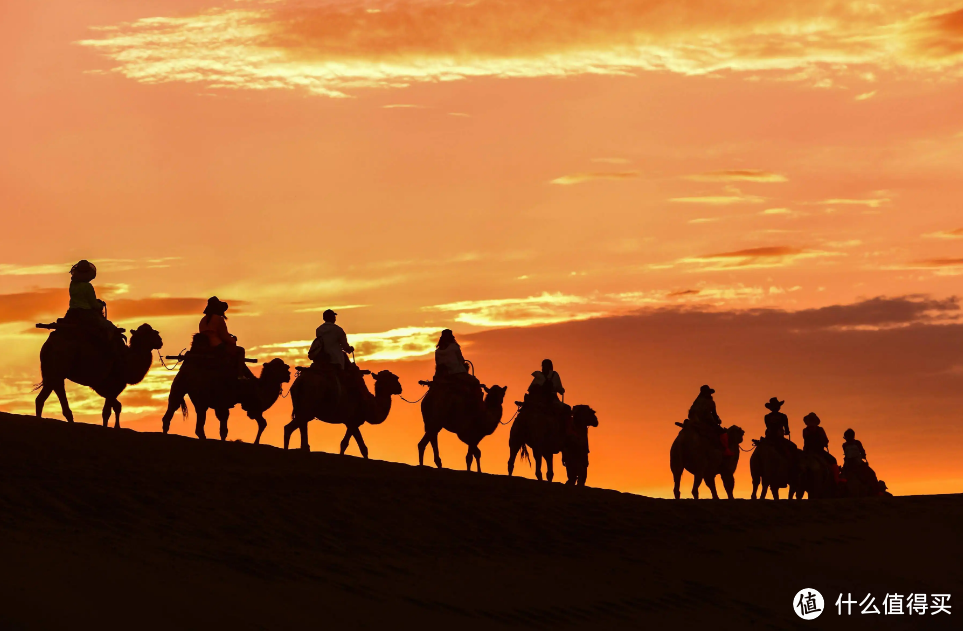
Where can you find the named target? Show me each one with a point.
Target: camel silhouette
(773, 468)
(695, 452)
(206, 387)
(542, 428)
(68, 354)
(452, 409)
(575, 447)
(317, 394)
(815, 477)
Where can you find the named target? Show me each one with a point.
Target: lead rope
(508, 422)
(416, 400)
(164, 364)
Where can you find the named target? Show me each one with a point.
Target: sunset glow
(765, 196)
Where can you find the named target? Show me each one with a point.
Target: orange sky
(764, 196)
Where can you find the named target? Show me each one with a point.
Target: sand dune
(112, 529)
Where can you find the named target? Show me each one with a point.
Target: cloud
(578, 178)
(754, 258)
(51, 303)
(704, 220)
(534, 310)
(393, 345)
(611, 160)
(782, 212)
(333, 48)
(403, 106)
(325, 308)
(942, 266)
(872, 203)
(720, 200)
(738, 175)
(865, 96)
(103, 265)
(945, 234)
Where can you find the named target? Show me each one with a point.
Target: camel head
(584, 415)
(146, 337)
(276, 372)
(386, 382)
(495, 395)
(736, 435)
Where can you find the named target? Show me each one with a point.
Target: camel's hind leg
(105, 413)
(117, 408)
(538, 464)
(477, 458)
(677, 479)
(550, 467)
(729, 484)
(755, 486)
(696, 482)
(61, 392)
(775, 493)
(222, 416)
(711, 483)
(201, 413)
(261, 426)
(297, 423)
(474, 454)
(513, 447)
(356, 432)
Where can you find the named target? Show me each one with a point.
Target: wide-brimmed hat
(84, 271)
(811, 419)
(215, 306)
(774, 404)
(706, 389)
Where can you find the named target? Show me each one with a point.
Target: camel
(206, 388)
(815, 477)
(443, 408)
(316, 394)
(695, 452)
(575, 448)
(67, 354)
(773, 469)
(540, 427)
(861, 481)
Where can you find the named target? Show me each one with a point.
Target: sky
(762, 196)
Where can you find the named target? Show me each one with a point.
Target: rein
(517, 410)
(164, 364)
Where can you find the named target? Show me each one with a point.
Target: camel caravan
(706, 449)
(86, 348)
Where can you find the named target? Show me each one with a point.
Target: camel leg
(477, 458)
(356, 432)
(304, 436)
(765, 489)
(222, 417)
(469, 458)
(677, 478)
(346, 440)
(583, 476)
(288, 430)
(538, 464)
(261, 426)
(117, 408)
(513, 448)
(201, 413)
(755, 487)
(61, 392)
(775, 493)
(550, 467)
(436, 450)
(42, 398)
(572, 475)
(105, 413)
(728, 483)
(711, 483)
(422, 444)
(697, 480)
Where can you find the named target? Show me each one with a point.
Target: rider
(703, 413)
(777, 424)
(331, 343)
(214, 326)
(854, 460)
(450, 365)
(816, 441)
(85, 308)
(547, 385)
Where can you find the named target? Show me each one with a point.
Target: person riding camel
(703, 414)
(777, 424)
(855, 464)
(816, 441)
(547, 385)
(330, 345)
(451, 367)
(214, 327)
(85, 309)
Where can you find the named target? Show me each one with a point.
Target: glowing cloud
(719, 200)
(946, 234)
(755, 258)
(578, 178)
(331, 48)
(393, 345)
(738, 175)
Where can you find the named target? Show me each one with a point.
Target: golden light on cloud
(946, 234)
(335, 48)
(738, 175)
(755, 258)
(871, 203)
(719, 200)
(579, 178)
(393, 345)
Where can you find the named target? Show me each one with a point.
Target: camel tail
(37, 387)
(184, 408)
(525, 455)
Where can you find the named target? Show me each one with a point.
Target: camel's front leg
(728, 483)
(477, 458)
(677, 479)
(45, 391)
(261, 426)
(538, 464)
(513, 447)
(356, 432)
(550, 467)
(61, 391)
(105, 413)
(200, 412)
(697, 480)
(423, 444)
(222, 415)
(711, 483)
(117, 408)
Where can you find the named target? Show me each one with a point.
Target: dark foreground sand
(107, 529)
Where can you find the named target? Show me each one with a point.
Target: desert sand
(114, 529)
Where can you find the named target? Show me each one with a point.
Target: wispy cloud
(871, 203)
(755, 258)
(865, 96)
(611, 160)
(782, 212)
(393, 345)
(940, 266)
(945, 234)
(103, 265)
(578, 178)
(719, 200)
(738, 175)
(333, 48)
